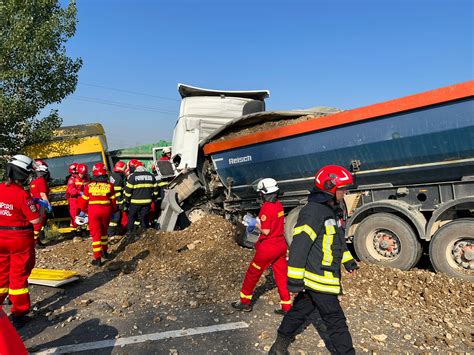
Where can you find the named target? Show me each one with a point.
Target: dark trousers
(115, 223)
(331, 313)
(138, 212)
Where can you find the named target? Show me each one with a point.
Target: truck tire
(386, 239)
(448, 249)
(290, 222)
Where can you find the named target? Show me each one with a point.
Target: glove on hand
(44, 203)
(351, 265)
(250, 222)
(81, 193)
(82, 214)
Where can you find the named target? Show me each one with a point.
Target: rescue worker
(139, 193)
(270, 248)
(17, 244)
(314, 266)
(98, 202)
(72, 171)
(75, 188)
(166, 154)
(39, 191)
(117, 178)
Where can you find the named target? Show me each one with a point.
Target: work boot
(241, 306)
(280, 312)
(19, 321)
(106, 255)
(280, 346)
(96, 262)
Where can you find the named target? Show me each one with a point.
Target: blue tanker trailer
(413, 159)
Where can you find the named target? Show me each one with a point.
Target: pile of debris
(203, 261)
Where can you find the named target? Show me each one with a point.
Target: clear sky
(341, 53)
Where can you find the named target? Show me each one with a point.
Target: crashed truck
(412, 158)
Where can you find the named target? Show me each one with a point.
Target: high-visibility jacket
(118, 180)
(98, 193)
(141, 188)
(317, 250)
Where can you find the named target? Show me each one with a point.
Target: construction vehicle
(412, 158)
(80, 144)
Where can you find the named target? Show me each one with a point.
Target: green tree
(35, 70)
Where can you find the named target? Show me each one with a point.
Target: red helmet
(73, 168)
(133, 164)
(99, 169)
(40, 165)
(82, 169)
(332, 177)
(119, 167)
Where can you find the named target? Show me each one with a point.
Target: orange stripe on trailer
(437, 96)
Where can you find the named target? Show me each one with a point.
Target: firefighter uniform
(17, 246)
(118, 180)
(99, 202)
(140, 191)
(270, 250)
(37, 187)
(75, 186)
(314, 265)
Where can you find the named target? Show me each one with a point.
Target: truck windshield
(59, 167)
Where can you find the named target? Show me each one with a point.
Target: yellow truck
(85, 144)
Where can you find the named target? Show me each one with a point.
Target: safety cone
(10, 341)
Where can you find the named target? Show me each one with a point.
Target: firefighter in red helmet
(18, 214)
(98, 202)
(314, 267)
(39, 191)
(75, 188)
(118, 179)
(140, 191)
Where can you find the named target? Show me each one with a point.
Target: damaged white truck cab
(203, 112)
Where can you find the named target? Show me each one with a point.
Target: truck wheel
(290, 222)
(386, 239)
(452, 249)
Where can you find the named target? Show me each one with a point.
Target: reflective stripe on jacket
(317, 250)
(141, 188)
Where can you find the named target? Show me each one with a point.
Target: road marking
(143, 338)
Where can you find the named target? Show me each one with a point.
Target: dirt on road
(165, 273)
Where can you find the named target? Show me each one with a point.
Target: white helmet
(166, 150)
(22, 161)
(80, 221)
(267, 186)
(19, 167)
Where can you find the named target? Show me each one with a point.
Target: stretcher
(52, 277)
